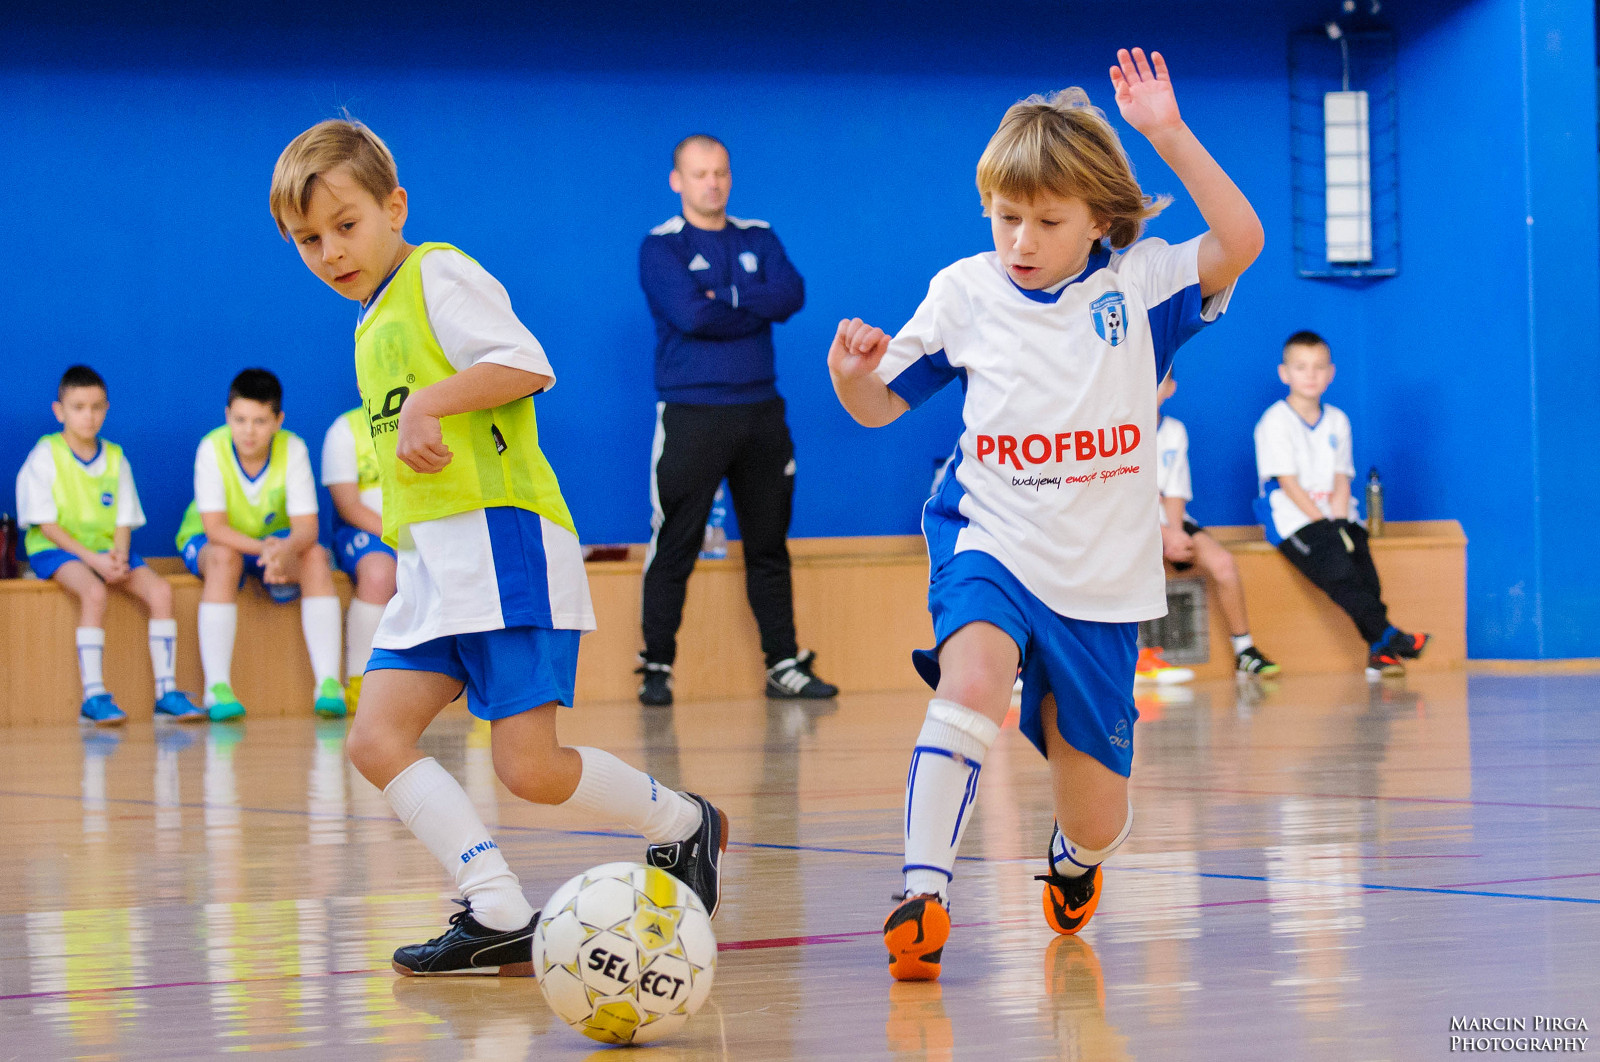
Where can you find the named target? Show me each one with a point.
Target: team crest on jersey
(106, 499)
(1111, 317)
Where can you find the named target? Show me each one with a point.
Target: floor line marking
(1364, 796)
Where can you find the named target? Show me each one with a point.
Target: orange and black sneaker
(915, 933)
(1383, 663)
(1069, 903)
(1406, 645)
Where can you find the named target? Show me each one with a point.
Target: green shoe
(330, 699)
(224, 705)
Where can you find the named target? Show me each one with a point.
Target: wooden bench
(861, 603)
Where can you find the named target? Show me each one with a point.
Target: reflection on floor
(1320, 869)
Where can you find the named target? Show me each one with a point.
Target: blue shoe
(330, 699)
(224, 705)
(176, 705)
(101, 710)
(283, 593)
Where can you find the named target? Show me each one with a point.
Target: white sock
(941, 787)
(359, 626)
(1241, 642)
(612, 790)
(164, 654)
(91, 652)
(218, 622)
(437, 810)
(1072, 860)
(319, 622)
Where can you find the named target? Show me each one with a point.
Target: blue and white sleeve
(916, 366)
(1168, 279)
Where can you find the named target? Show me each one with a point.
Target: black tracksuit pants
(696, 447)
(1346, 575)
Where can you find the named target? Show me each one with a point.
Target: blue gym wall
(138, 145)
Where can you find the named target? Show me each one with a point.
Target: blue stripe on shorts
(506, 672)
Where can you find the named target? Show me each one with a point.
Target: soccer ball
(624, 953)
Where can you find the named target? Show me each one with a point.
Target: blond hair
(327, 146)
(1062, 145)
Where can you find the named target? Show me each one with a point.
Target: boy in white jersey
(255, 514)
(1043, 547)
(1304, 465)
(350, 472)
(1185, 543)
(75, 495)
(491, 593)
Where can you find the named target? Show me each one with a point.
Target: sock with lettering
(616, 792)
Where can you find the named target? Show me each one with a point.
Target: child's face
(1043, 241)
(1307, 370)
(350, 240)
(81, 412)
(253, 424)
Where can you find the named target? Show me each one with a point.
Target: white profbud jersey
(1172, 463)
(1312, 453)
(1054, 475)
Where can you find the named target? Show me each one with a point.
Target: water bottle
(8, 546)
(715, 544)
(1374, 504)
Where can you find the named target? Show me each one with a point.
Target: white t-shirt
(36, 500)
(1312, 453)
(211, 494)
(339, 463)
(448, 578)
(1055, 472)
(1172, 463)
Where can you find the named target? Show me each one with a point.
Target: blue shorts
(506, 672)
(282, 593)
(46, 562)
(350, 544)
(1087, 665)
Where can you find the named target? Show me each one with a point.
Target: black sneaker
(1382, 662)
(656, 689)
(1407, 646)
(469, 948)
(697, 861)
(792, 679)
(1252, 662)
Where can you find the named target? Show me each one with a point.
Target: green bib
(86, 506)
(497, 460)
(260, 518)
(367, 474)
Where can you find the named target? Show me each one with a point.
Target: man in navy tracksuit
(715, 285)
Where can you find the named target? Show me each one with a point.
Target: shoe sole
(515, 969)
(912, 940)
(193, 717)
(722, 848)
(104, 722)
(1068, 922)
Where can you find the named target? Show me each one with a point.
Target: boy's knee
(530, 779)
(374, 753)
(159, 595)
(221, 562)
(93, 595)
(375, 583)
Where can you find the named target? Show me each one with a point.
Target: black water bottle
(8, 546)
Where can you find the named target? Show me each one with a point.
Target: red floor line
(1364, 796)
(1515, 881)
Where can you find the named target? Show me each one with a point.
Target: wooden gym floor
(1320, 870)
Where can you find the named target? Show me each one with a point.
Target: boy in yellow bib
(491, 594)
(255, 514)
(75, 495)
(350, 472)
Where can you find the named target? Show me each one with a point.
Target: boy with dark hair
(350, 472)
(1304, 465)
(255, 514)
(76, 497)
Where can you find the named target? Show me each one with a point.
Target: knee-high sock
(359, 626)
(91, 652)
(218, 621)
(941, 788)
(1072, 860)
(164, 654)
(612, 790)
(437, 810)
(319, 622)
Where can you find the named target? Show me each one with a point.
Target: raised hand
(857, 349)
(1144, 92)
